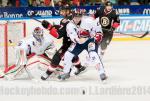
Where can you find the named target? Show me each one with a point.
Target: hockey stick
(31, 16)
(143, 35)
(53, 5)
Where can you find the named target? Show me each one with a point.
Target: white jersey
(47, 43)
(26, 44)
(87, 23)
(90, 24)
(30, 45)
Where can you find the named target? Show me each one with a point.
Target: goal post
(13, 31)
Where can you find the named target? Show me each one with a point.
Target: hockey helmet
(77, 13)
(108, 3)
(65, 9)
(38, 34)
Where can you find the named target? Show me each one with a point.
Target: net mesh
(14, 32)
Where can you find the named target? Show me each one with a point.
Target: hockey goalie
(38, 44)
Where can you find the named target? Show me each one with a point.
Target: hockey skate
(80, 70)
(46, 75)
(103, 76)
(64, 76)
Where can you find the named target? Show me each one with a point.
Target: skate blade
(81, 72)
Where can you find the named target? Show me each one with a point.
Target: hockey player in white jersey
(84, 36)
(35, 44)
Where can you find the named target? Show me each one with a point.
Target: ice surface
(127, 65)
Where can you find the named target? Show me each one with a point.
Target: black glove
(112, 29)
(45, 24)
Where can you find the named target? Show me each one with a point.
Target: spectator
(71, 2)
(59, 3)
(114, 1)
(123, 2)
(42, 4)
(4, 3)
(104, 1)
(98, 2)
(47, 2)
(24, 3)
(134, 2)
(76, 2)
(83, 2)
(9, 4)
(34, 3)
(12, 3)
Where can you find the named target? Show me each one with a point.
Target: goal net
(10, 34)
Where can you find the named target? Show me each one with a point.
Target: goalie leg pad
(21, 58)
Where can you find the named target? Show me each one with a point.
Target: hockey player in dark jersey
(59, 31)
(109, 21)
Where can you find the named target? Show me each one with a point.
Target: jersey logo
(104, 21)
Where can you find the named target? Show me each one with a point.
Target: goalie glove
(98, 37)
(46, 24)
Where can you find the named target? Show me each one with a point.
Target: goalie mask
(38, 34)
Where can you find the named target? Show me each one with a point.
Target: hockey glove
(112, 29)
(98, 37)
(46, 24)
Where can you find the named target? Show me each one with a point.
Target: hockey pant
(107, 37)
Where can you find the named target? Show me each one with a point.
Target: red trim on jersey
(31, 55)
(93, 16)
(115, 25)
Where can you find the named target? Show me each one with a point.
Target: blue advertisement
(51, 11)
(130, 23)
(134, 24)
